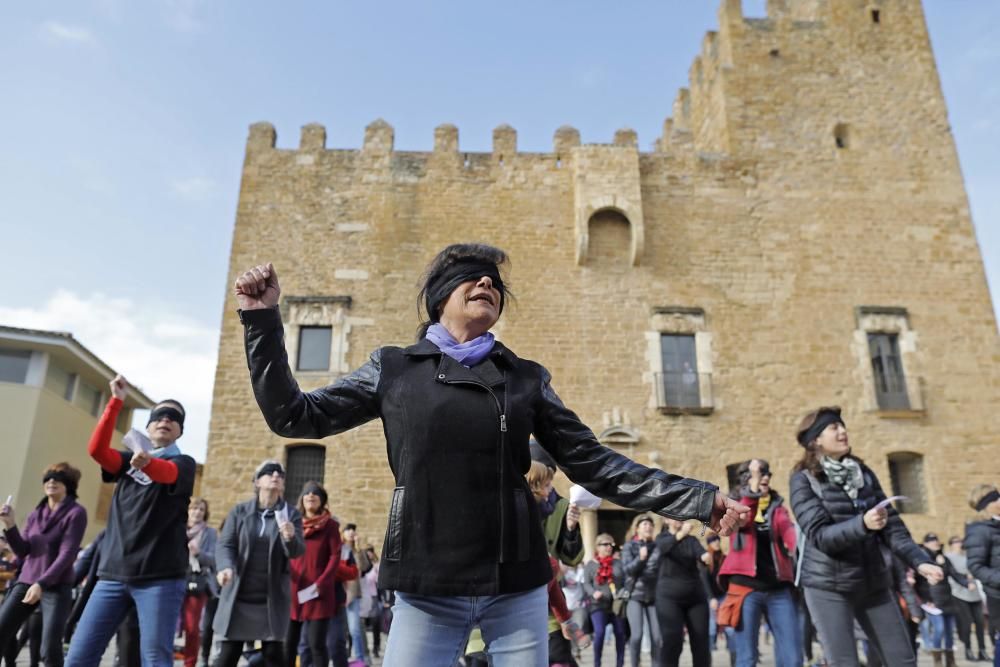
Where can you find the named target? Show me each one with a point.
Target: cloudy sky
(125, 123)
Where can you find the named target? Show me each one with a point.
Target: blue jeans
(942, 631)
(783, 620)
(601, 619)
(158, 604)
(356, 629)
(434, 629)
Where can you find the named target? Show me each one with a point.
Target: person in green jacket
(561, 519)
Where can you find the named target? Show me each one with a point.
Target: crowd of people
(481, 561)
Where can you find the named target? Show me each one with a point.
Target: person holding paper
(843, 573)
(313, 593)
(144, 553)
(47, 546)
(939, 603)
(259, 539)
(464, 544)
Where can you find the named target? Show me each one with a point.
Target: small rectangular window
(876, 16)
(679, 381)
(60, 381)
(906, 475)
(304, 463)
(14, 365)
(88, 397)
(887, 371)
(314, 348)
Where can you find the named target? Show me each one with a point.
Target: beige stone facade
(805, 194)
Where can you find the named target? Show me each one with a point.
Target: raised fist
(119, 388)
(258, 288)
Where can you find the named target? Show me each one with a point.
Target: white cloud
(68, 33)
(165, 353)
(193, 189)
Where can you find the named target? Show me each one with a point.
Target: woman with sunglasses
(258, 541)
(603, 577)
(841, 509)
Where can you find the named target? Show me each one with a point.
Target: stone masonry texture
(746, 213)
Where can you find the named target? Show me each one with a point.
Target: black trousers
(970, 614)
(272, 652)
(878, 614)
(56, 604)
(675, 614)
(316, 637)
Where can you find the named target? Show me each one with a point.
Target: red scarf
(311, 525)
(606, 571)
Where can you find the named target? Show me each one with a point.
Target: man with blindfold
(145, 553)
(982, 549)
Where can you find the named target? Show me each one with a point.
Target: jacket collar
(425, 348)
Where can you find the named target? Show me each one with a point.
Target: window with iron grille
(906, 472)
(887, 372)
(314, 348)
(304, 463)
(679, 382)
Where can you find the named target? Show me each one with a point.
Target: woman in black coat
(982, 548)
(457, 409)
(838, 503)
(258, 539)
(681, 594)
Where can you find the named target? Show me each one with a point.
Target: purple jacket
(49, 544)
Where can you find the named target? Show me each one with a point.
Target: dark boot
(949, 658)
(969, 657)
(983, 657)
(936, 656)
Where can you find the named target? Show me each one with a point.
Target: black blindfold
(987, 499)
(168, 412)
(822, 421)
(270, 469)
(440, 286)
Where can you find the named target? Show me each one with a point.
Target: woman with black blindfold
(258, 541)
(145, 550)
(464, 544)
(840, 507)
(982, 548)
(47, 547)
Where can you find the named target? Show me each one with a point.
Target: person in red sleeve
(145, 553)
(313, 594)
(759, 567)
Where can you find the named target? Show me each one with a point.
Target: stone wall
(748, 224)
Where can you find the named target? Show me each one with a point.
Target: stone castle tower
(799, 236)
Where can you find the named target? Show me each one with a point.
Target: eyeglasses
(605, 544)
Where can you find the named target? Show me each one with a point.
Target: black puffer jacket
(462, 519)
(840, 554)
(640, 575)
(982, 549)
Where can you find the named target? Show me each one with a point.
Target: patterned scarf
(313, 524)
(194, 535)
(606, 570)
(845, 473)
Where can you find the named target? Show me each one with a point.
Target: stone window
(14, 365)
(733, 475)
(316, 331)
(303, 463)
(876, 16)
(887, 371)
(680, 361)
(886, 353)
(314, 349)
(906, 473)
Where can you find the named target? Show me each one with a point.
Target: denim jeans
(783, 618)
(434, 629)
(158, 604)
(56, 604)
(942, 631)
(356, 629)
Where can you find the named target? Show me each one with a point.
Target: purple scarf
(468, 354)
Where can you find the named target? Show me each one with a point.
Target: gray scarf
(845, 473)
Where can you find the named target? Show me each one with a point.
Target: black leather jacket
(462, 519)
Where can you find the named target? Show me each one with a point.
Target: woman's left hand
(34, 595)
(931, 572)
(287, 531)
(572, 516)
